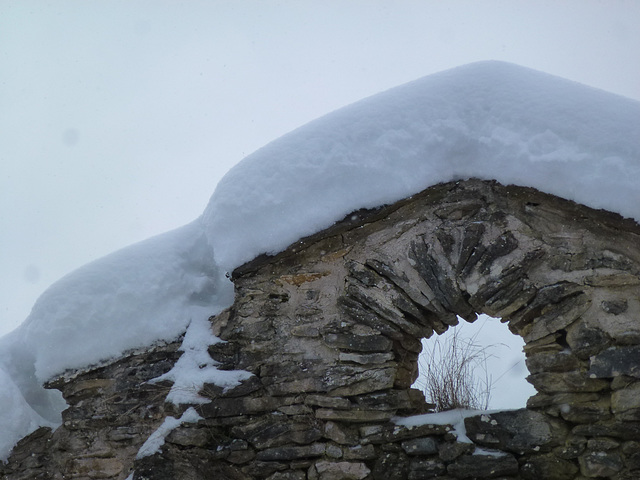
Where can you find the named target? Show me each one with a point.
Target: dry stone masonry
(331, 330)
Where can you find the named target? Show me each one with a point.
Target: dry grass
(453, 373)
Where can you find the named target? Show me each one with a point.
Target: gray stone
(602, 443)
(325, 401)
(517, 431)
(548, 467)
(559, 361)
(631, 451)
(423, 469)
(615, 307)
(348, 380)
(359, 343)
(189, 437)
(600, 464)
(586, 340)
(353, 416)
(333, 451)
(449, 451)
(400, 432)
(372, 434)
(228, 407)
(291, 453)
(616, 361)
(293, 410)
(97, 467)
(615, 429)
(275, 431)
(576, 381)
(342, 434)
(359, 452)
(341, 470)
(625, 403)
(290, 475)
(420, 446)
(574, 447)
(560, 315)
(305, 331)
(622, 381)
(368, 359)
(391, 466)
(386, 400)
(484, 466)
(239, 457)
(574, 407)
(587, 411)
(238, 445)
(260, 468)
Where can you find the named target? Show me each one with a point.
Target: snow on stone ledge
(140, 295)
(144, 293)
(195, 367)
(454, 417)
(489, 120)
(155, 441)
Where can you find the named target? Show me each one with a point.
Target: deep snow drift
(144, 293)
(489, 120)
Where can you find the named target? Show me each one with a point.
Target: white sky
(118, 118)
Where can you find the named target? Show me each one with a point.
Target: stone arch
(344, 311)
(331, 330)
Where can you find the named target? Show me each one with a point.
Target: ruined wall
(331, 330)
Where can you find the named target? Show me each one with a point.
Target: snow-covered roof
(488, 120)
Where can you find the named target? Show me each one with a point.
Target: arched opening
(479, 365)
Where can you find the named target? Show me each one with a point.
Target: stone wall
(331, 330)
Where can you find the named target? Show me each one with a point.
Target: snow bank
(142, 294)
(147, 292)
(489, 120)
(17, 418)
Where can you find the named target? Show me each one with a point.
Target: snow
(455, 418)
(156, 440)
(196, 367)
(17, 418)
(489, 453)
(145, 293)
(489, 120)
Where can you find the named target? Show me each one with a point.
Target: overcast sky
(118, 118)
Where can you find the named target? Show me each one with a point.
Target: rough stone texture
(331, 330)
(112, 411)
(520, 431)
